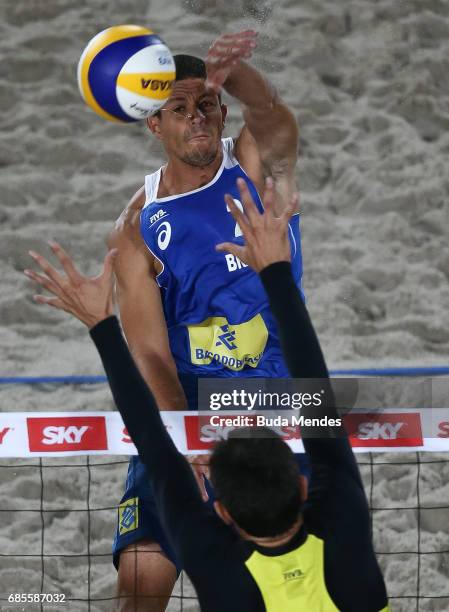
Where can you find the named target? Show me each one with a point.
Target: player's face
(191, 123)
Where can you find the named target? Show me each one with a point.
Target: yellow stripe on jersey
(294, 581)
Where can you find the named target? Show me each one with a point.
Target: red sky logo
(388, 429)
(50, 434)
(205, 438)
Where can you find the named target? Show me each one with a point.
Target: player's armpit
(275, 130)
(268, 146)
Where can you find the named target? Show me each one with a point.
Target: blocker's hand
(266, 236)
(89, 299)
(225, 53)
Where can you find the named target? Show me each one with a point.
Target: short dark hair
(188, 67)
(256, 480)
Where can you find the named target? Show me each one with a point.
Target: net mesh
(58, 516)
(54, 547)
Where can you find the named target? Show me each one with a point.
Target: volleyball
(125, 73)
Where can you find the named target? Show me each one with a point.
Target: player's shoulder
(127, 226)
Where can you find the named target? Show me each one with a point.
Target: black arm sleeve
(171, 476)
(300, 346)
(304, 358)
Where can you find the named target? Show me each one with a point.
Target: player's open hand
(266, 236)
(89, 299)
(225, 53)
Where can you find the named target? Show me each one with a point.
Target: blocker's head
(256, 480)
(191, 122)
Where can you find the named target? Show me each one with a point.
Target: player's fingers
(244, 34)
(291, 208)
(43, 281)
(65, 260)
(238, 215)
(223, 54)
(226, 62)
(49, 270)
(108, 266)
(232, 46)
(248, 203)
(212, 85)
(234, 249)
(54, 302)
(268, 197)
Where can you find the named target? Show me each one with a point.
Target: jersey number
(237, 231)
(163, 235)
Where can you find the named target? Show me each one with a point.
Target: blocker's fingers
(49, 270)
(291, 208)
(235, 249)
(268, 196)
(108, 266)
(248, 203)
(44, 281)
(66, 261)
(54, 302)
(237, 214)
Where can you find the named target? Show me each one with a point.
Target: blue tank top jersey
(218, 319)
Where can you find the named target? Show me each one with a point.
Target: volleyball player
(269, 551)
(186, 310)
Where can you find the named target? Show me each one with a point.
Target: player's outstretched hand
(89, 299)
(225, 53)
(266, 236)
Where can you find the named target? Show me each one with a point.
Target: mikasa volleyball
(126, 73)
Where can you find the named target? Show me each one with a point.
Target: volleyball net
(62, 474)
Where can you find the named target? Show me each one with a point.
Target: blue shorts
(137, 514)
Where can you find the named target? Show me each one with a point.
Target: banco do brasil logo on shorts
(128, 515)
(233, 346)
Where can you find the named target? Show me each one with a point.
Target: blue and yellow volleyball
(126, 73)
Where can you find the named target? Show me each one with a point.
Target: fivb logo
(159, 215)
(53, 434)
